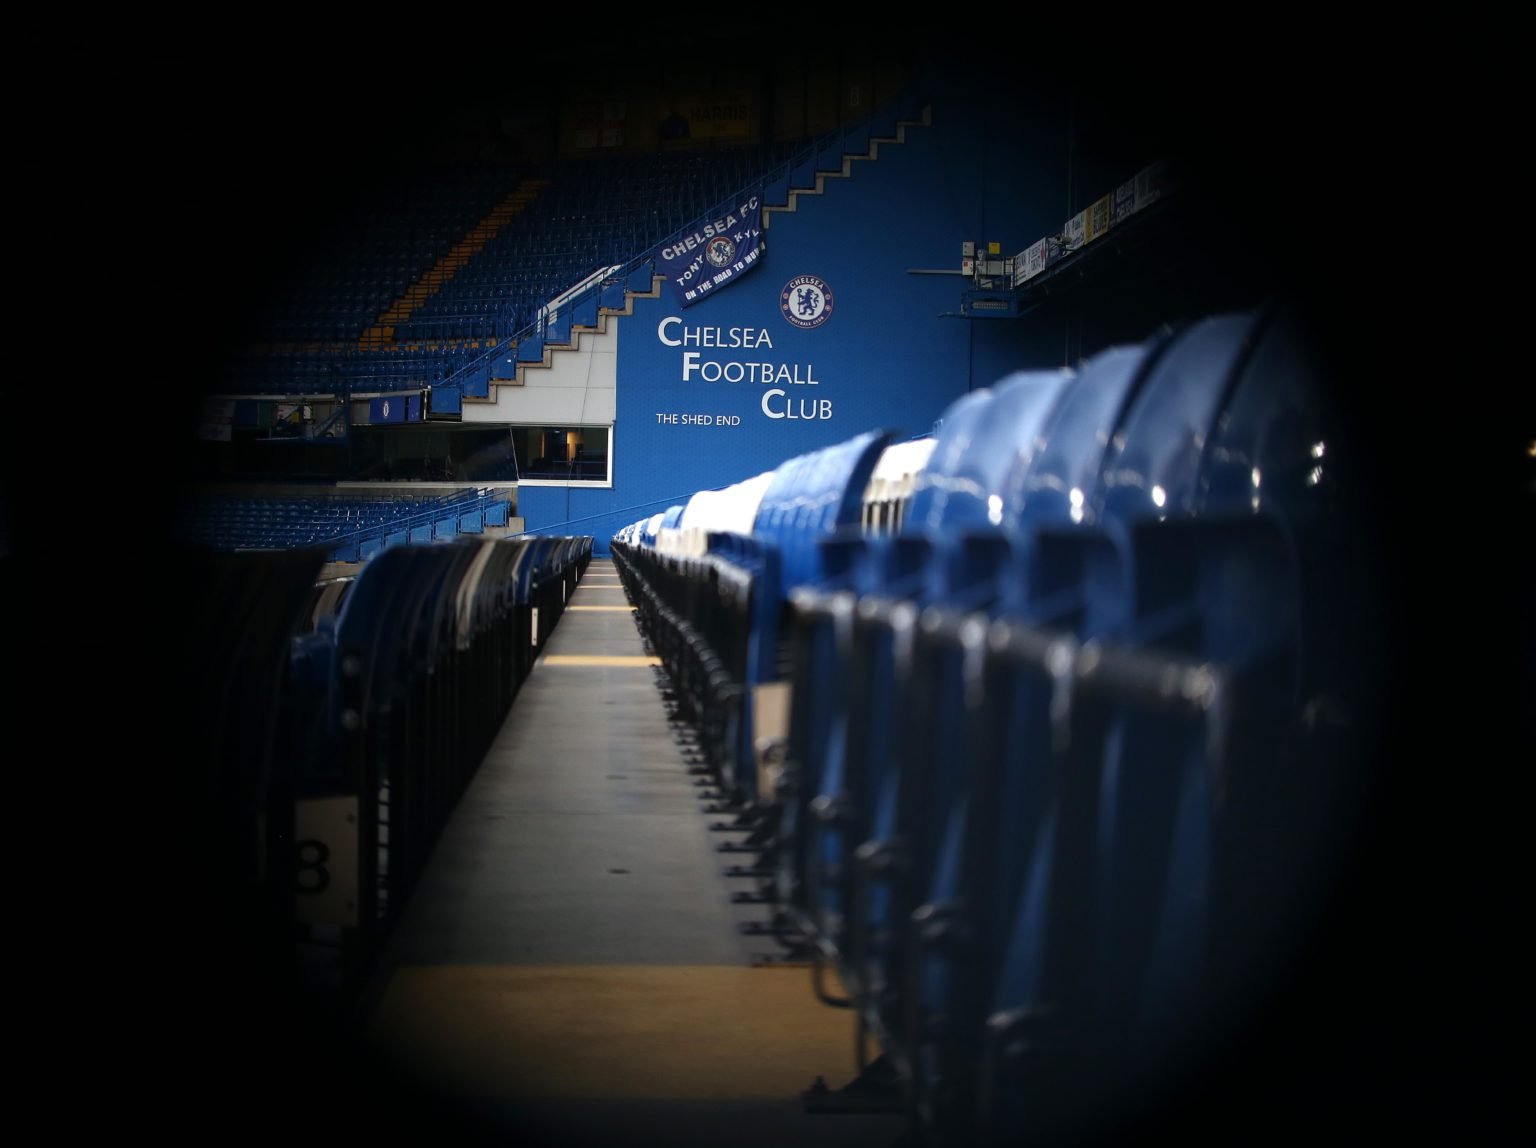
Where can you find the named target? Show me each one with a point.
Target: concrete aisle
(570, 969)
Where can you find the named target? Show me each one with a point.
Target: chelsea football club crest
(720, 252)
(806, 301)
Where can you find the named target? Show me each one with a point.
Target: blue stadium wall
(892, 354)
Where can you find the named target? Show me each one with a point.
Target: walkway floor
(570, 968)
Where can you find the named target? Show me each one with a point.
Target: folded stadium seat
(814, 496)
(540, 590)
(372, 696)
(897, 742)
(239, 611)
(805, 499)
(1085, 927)
(652, 528)
(822, 640)
(969, 567)
(481, 633)
(840, 725)
(1255, 604)
(711, 671)
(962, 925)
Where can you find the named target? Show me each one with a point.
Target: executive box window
(563, 454)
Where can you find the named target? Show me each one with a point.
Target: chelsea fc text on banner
(715, 253)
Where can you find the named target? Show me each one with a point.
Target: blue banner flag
(715, 254)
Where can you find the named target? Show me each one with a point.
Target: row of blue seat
(594, 212)
(1048, 793)
(611, 227)
(394, 239)
(361, 546)
(352, 529)
(335, 725)
(659, 218)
